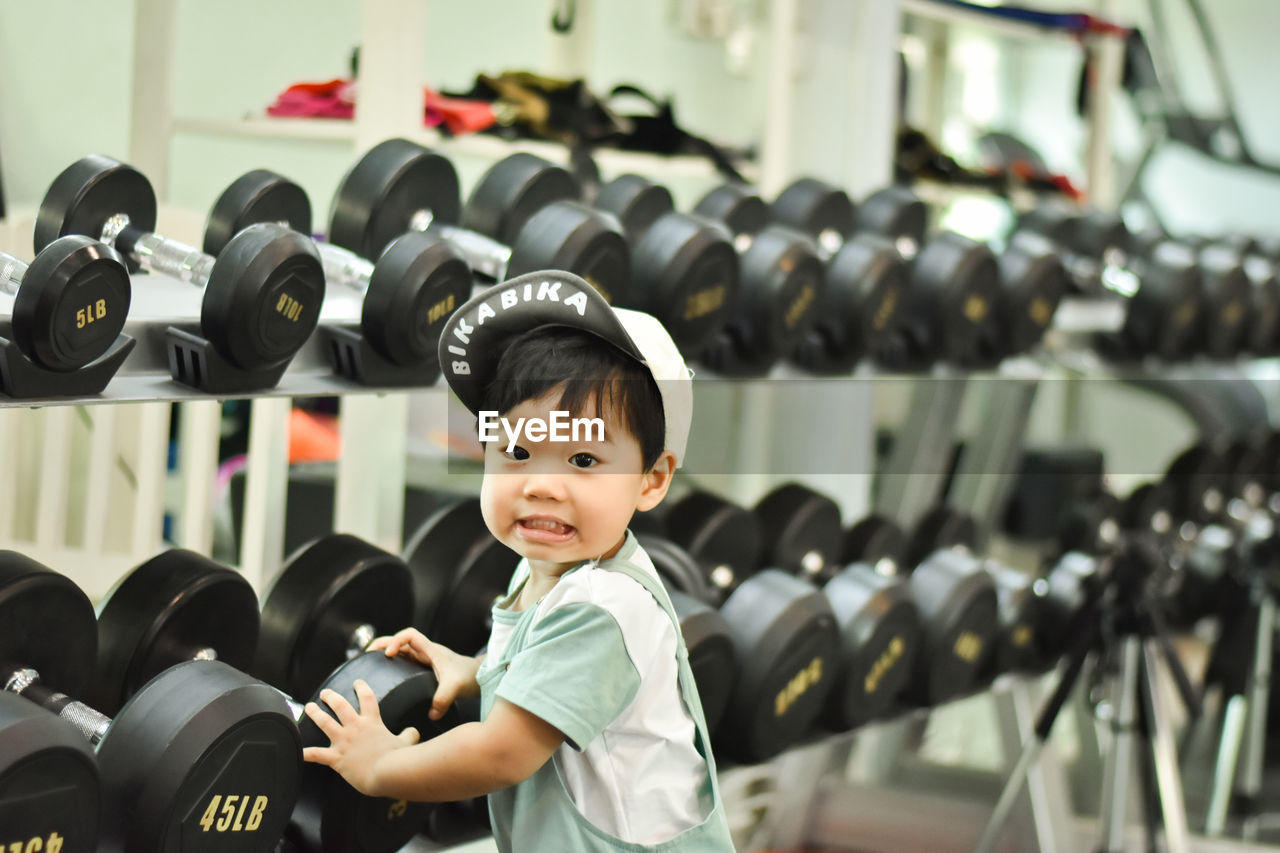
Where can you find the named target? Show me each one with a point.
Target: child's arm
(467, 761)
(455, 673)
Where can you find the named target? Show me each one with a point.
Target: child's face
(564, 502)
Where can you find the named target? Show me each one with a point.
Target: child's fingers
(410, 736)
(368, 702)
(341, 707)
(320, 755)
(326, 724)
(380, 643)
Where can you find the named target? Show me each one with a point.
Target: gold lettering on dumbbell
(885, 311)
(975, 308)
(968, 647)
(231, 816)
(703, 302)
(1041, 311)
(796, 687)
(441, 309)
(1022, 636)
(91, 313)
(36, 844)
(800, 305)
(397, 810)
(884, 663)
(289, 307)
(1232, 313)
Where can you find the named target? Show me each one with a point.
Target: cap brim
(476, 335)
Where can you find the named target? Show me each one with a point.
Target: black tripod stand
(1241, 664)
(1120, 623)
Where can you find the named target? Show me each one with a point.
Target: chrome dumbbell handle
(484, 255)
(11, 272)
(90, 723)
(157, 254)
(345, 267)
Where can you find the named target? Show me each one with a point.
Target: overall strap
(688, 687)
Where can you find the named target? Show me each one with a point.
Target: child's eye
(582, 460)
(517, 453)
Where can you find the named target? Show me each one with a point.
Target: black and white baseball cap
(476, 335)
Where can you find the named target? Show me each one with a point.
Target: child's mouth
(544, 530)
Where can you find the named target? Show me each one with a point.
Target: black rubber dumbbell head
(1224, 322)
(685, 272)
(87, 194)
(1034, 282)
(50, 791)
(459, 570)
(778, 298)
(513, 190)
(897, 214)
(72, 304)
(171, 608)
(955, 289)
(386, 192)
(801, 532)
(327, 589)
(741, 210)
(816, 208)
(862, 305)
(256, 196)
(568, 235)
(1163, 316)
(636, 201)
(264, 295)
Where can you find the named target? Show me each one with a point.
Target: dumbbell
(262, 294)
(1019, 595)
(508, 227)
(780, 291)
(459, 571)
(684, 270)
(50, 795)
(879, 623)
(1094, 244)
(181, 606)
(69, 303)
(867, 261)
(202, 757)
(1225, 319)
(409, 290)
(954, 594)
(722, 538)
(1263, 338)
(1163, 289)
(707, 636)
(785, 636)
(1006, 319)
(1158, 282)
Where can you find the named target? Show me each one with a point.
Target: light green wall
(65, 79)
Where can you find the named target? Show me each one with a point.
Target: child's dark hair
(590, 370)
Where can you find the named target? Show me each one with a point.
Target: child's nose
(544, 485)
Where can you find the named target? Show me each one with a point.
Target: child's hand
(356, 739)
(455, 673)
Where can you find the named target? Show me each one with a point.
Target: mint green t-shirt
(600, 658)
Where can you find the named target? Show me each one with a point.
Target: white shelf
(265, 127)
(611, 161)
(1010, 27)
